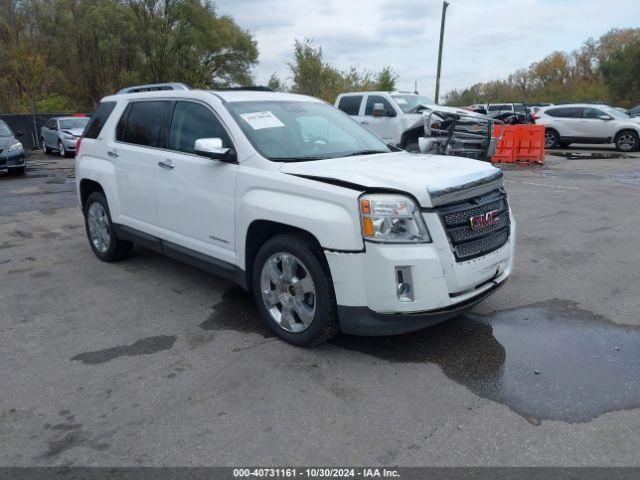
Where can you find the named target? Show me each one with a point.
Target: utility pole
(444, 15)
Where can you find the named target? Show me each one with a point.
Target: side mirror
(212, 148)
(605, 117)
(19, 133)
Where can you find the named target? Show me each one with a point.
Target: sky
(484, 39)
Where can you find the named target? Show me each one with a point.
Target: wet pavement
(152, 362)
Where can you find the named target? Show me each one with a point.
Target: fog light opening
(404, 284)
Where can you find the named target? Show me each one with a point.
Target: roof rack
(154, 87)
(252, 88)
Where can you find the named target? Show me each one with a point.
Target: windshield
(410, 103)
(299, 131)
(614, 112)
(5, 131)
(71, 123)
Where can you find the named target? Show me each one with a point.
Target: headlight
(392, 219)
(69, 137)
(15, 147)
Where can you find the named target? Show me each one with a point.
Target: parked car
(589, 123)
(330, 228)
(634, 112)
(61, 134)
(496, 109)
(12, 156)
(416, 124)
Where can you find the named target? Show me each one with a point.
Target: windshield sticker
(401, 101)
(260, 120)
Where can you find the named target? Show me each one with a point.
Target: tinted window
(99, 118)
(373, 99)
(351, 104)
(144, 122)
(500, 108)
(191, 122)
(5, 131)
(71, 123)
(567, 112)
(592, 113)
(520, 108)
(50, 124)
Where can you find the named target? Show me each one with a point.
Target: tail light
(78, 146)
(534, 117)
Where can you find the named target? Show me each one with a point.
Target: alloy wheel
(288, 292)
(549, 140)
(626, 142)
(99, 231)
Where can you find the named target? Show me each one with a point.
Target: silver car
(61, 134)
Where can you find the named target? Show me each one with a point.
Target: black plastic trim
(196, 259)
(366, 322)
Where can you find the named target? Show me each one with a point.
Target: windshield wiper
(298, 159)
(365, 152)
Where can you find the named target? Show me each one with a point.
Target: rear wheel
(627, 141)
(294, 291)
(100, 232)
(551, 138)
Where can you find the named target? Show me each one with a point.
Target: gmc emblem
(480, 222)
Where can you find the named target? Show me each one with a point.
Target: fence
(25, 124)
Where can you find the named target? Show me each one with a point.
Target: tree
(622, 74)
(276, 84)
(386, 80)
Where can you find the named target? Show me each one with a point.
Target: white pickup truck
(416, 124)
(290, 198)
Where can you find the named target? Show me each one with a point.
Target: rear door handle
(168, 164)
(112, 153)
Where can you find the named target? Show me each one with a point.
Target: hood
(6, 142)
(74, 131)
(429, 178)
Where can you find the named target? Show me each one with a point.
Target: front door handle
(112, 153)
(168, 164)
(364, 123)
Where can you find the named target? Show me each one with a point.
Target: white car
(588, 123)
(296, 202)
(416, 124)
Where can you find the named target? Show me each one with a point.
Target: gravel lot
(151, 362)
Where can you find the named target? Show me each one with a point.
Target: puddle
(589, 155)
(546, 361)
(236, 311)
(146, 346)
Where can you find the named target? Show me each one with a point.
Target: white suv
(588, 123)
(296, 202)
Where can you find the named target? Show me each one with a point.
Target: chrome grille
(467, 243)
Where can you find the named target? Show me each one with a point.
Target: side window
(567, 112)
(144, 122)
(192, 121)
(350, 104)
(592, 113)
(99, 118)
(373, 99)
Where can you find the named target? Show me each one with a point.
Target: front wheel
(100, 231)
(61, 150)
(627, 141)
(45, 147)
(294, 291)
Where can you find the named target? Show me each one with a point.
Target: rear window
(566, 112)
(351, 104)
(500, 108)
(142, 123)
(99, 118)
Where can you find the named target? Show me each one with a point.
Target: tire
(61, 150)
(412, 147)
(106, 246)
(551, 138)
(19, 170)
(627, 141)
(269, 275)
(564, 144)
(44, 146)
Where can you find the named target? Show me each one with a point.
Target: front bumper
(366, 285)
(10, 160)
(70, 145)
